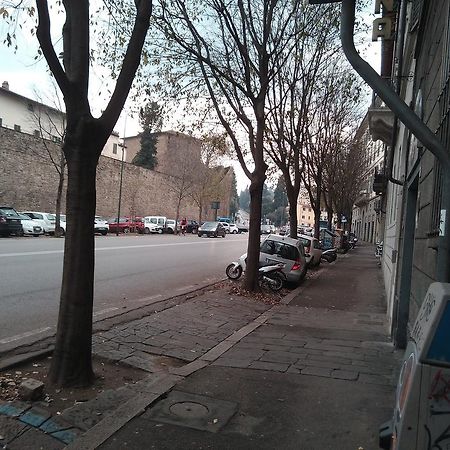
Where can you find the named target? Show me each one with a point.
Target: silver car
(290, 252)
(313, 249)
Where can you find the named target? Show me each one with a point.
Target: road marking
(132, 247)
(17, 337)
(185, 287)
(146, 299)
(104, 311)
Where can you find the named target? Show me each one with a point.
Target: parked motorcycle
(329, 255)
(271, 276)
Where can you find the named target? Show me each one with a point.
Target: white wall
(31, 117)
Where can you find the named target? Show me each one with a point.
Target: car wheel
(35, 235)
(224, 234)
(146, 230)
(160, 231)
(199, 235)
(126, 230)
(235, 232)
(104, 233)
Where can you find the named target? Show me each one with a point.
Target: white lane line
(17, 337)
(185, 287)
(132, 247)
(147, 299)
(104, 311)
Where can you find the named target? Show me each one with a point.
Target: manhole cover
(192, 410)
(189, 410)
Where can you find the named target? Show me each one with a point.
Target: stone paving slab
(184, 332)
(33, 439)
(10, 429)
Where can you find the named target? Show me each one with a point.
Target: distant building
(305, 213)
(29, 116)
(367, 220)
(167, 142)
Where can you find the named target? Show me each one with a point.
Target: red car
(126, 225)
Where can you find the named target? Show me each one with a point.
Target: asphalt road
(130, 270)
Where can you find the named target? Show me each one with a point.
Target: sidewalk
(225, 372)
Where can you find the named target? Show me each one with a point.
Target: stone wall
(28, 180)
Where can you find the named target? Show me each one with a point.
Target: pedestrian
(183, 225)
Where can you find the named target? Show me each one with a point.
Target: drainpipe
(412, 122)
(399, 57)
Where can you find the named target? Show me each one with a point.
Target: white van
(154, 224)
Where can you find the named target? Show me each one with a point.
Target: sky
(26, 76)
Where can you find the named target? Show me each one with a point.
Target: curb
(21, 358)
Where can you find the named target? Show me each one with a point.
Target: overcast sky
(26, 76)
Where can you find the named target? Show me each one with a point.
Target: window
(30, 107)
(16, 127)
(115, 149)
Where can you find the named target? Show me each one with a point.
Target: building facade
(367, 214)
(28, 116)
(413, 236)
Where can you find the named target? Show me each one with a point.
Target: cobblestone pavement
(313, 348)
(184, 332)
(287, 342)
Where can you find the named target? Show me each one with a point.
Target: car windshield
(209, 225)
(9, 212)
(24, 217)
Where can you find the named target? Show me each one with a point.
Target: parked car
(290, 252)
(212, 229)
(10, 222)
(46, 220)
(192, 226)
(29, 226)
(233, 228)
(101, 225)
(154, 224)
(170, 226)
(313, 249)
(266, 229)
(124, 225)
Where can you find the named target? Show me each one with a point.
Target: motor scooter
(271, 276)
(329, 255)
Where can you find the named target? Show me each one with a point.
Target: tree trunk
(71, 364)
(293, 222)
(200, 212)
(330, 218)
(62, 165)
(254, 233)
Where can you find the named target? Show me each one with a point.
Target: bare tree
(292, 98)
(84, 140)
(231, 64)
(336, 111)
(208, 184)
(51, 124)
(181, 183)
